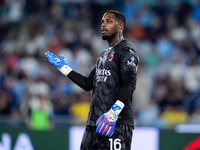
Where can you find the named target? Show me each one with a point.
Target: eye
(109, 21)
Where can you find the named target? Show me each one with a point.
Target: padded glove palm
(106, 122)
(59, 62)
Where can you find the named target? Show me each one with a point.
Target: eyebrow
(107, 19)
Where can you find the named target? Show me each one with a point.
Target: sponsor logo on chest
(102, 75)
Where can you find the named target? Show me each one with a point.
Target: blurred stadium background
(37, 101)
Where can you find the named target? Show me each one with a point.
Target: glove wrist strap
(65, 70)
(118, 106)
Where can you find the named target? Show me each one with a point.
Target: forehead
(109, 16)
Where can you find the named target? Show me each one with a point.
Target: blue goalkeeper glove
(59, 62)
(106, 122)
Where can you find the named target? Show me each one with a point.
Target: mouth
(103, 31)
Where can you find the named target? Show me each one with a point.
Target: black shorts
(120, 140)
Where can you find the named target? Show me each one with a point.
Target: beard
(105, 37)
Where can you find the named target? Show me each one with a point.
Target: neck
(116, 40)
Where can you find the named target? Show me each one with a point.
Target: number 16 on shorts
(116, 143)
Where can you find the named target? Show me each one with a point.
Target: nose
(103, 24)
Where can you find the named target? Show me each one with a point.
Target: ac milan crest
(111, 57)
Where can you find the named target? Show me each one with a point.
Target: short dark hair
(118, 15)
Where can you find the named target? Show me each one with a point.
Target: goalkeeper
(112, 81)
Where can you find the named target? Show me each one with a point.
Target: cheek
(113, 30)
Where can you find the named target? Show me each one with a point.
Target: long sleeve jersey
(112, 78)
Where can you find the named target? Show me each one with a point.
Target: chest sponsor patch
(102, 75)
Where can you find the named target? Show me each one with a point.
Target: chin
(105, 37)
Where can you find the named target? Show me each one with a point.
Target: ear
(121, 26)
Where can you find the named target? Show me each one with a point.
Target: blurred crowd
(165, 33)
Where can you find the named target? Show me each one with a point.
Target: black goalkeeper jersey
(112, 78)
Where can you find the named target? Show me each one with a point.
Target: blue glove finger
(99, 120)
(48, 55)
(110, 131)
(102, 128)
(99, 128)
(63, 60)
(53, 59)
(105, 130)
(62, 57)
(112, 128)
